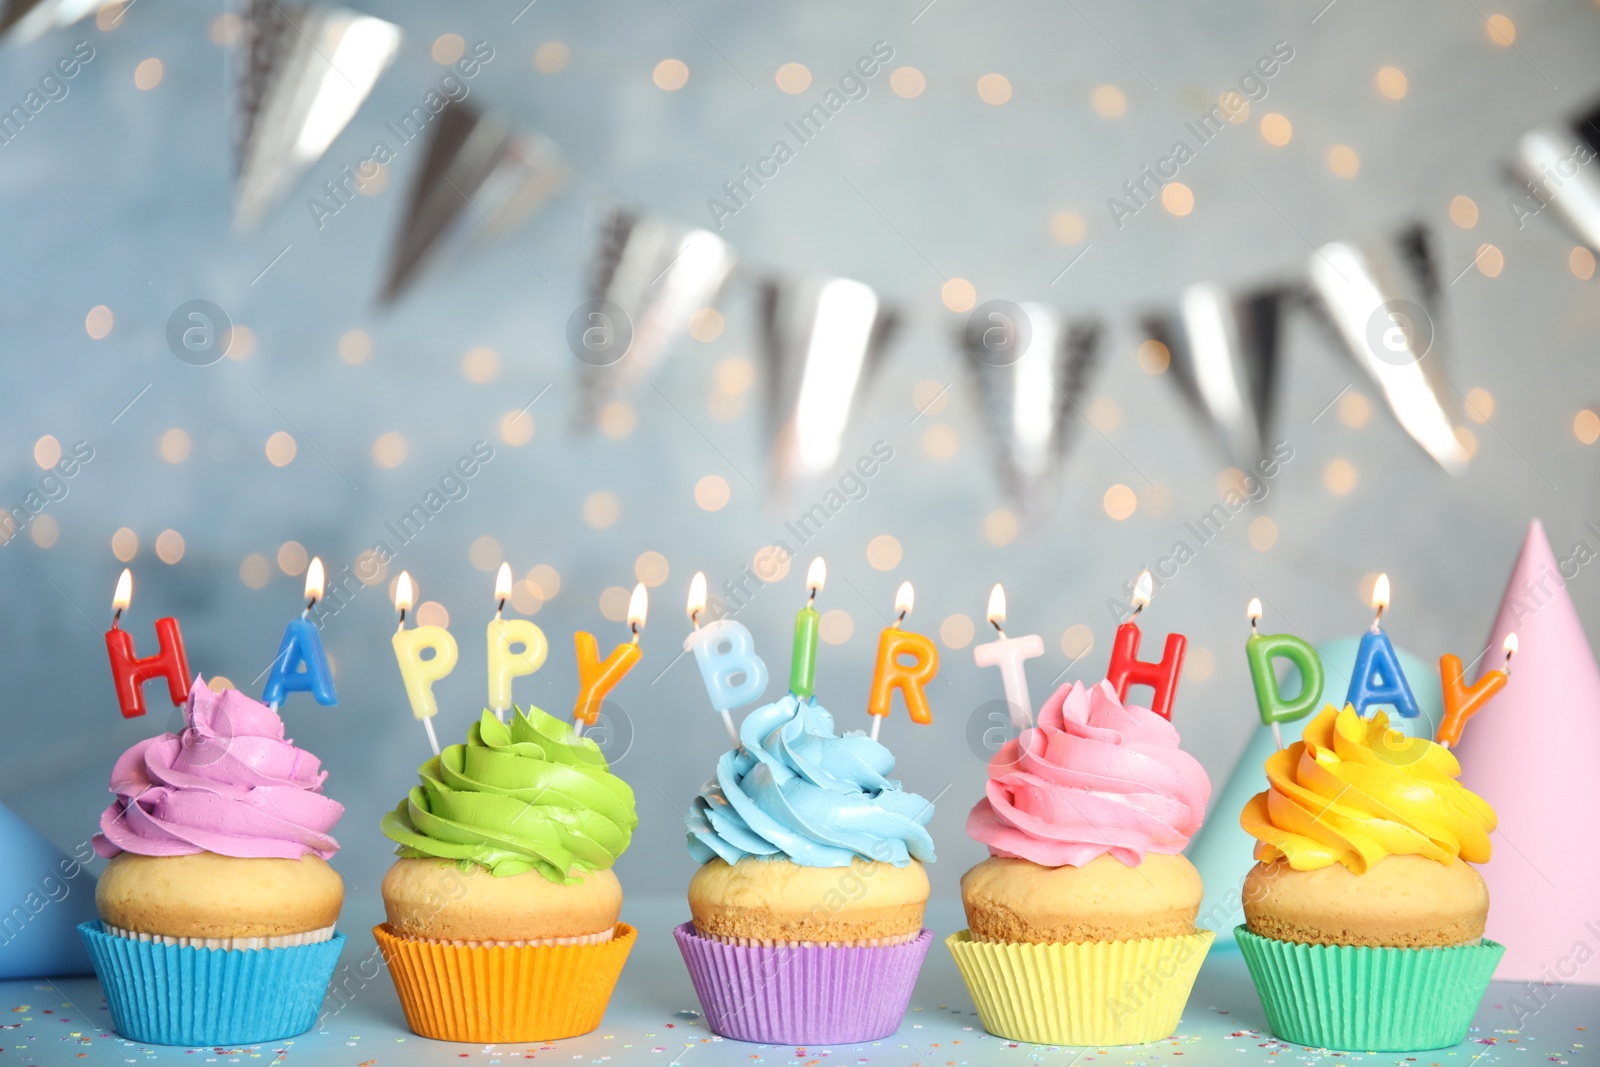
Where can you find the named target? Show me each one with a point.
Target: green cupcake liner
(1354, 998)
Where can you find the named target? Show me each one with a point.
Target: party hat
(1531, 754)
(1222, 852)
(44, 895)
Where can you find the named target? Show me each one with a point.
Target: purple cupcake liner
(802, 995)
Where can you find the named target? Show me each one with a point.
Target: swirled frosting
(524, 795)
(230, 783)
(1093, 776)
(1354, 791)
(795, 790)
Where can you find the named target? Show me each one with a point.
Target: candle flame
(638, 606)
(405, 592)
(816, 575)
(502, 584)
(1254, 610)
(1143, 589)
(997, 605)
(697, 595)
(903, 599)
(1380, 594)
(315, 580)
(1510, 646)
(124, 594)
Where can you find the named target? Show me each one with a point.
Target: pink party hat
(1531, 754)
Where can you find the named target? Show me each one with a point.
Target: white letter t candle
(1009, 653)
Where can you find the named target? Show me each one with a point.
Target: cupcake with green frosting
(502, 908)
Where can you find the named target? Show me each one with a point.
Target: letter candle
(505, 663)
(724, 651)
(803, 662)
(302, 663)
(1260, 650)
(1008, 653)
(596, 676)
(1462, 702)
(419, 674)
(128, 672)
(1127, 670)
(1377, 677)
(891, 673)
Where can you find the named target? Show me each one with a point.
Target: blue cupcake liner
(168, 995)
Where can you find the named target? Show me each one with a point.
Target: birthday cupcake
(1364, 895)
(1081, 924)
(807, 909)
(503, 908)
(217, 909)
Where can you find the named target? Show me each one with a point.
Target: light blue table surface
(654, 1019)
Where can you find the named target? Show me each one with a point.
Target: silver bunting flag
(480, 181)
(1032, 367)
(1382, 299)
(29, 20)
(649, 278)
(303, 73)
(1556, 168)
(1224, 353)
(820, 342)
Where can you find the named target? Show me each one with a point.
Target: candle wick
(1136, 609)
(116, 617)
(402, 618)
(812, 598)
(1001, 630)
(694, 617)
(499, 608)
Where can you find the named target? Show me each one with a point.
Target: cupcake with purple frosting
(807, 908)
(218, 907)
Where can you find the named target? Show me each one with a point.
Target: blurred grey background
(116, 202)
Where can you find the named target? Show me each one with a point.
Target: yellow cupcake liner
(494, 994)
(1081, 993)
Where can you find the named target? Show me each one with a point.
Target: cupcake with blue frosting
(807, 908)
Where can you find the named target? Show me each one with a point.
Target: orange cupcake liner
(494, 994)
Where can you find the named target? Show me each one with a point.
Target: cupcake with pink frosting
(1081, 924)
(218, 907)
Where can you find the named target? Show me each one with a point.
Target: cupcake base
(1083, 992)
(802, 995)
(164, 994)
(497, 993)
(1344, 997)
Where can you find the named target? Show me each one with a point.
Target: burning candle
(596, 676)
(1008, 654)
(892, 673)
(1260, 650)
(1462, 702)
(1127, 670)
(506, 661)
(128, 672)
(418, 673)
(302, 663)
(726, 655)
(1377, 677)
(803, 662)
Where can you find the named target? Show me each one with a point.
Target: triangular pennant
(480, 181)
(821, 342)
(303, 73)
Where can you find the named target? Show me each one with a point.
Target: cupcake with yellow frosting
(1364, 897)
(503, 909)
